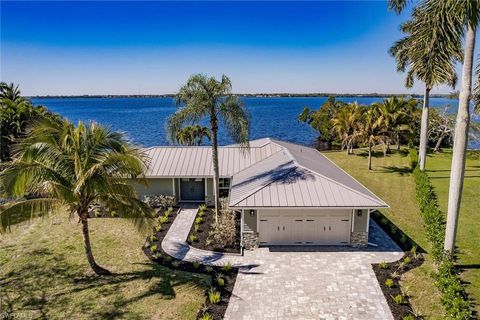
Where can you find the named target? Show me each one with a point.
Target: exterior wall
(209, 200)
(155, 187)
(249, 222)
(359, 235)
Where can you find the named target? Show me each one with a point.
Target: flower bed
(389, 275)
(200, 235)
(222, 277)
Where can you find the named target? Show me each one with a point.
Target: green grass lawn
(390, 179)
(45, 274)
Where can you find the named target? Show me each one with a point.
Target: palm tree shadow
(402, 171)
(30, 287)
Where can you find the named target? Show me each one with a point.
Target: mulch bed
(384, 271)
(204, 230)
(216, 310)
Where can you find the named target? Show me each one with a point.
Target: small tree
(371, 130)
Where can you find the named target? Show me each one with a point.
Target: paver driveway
(297, 282)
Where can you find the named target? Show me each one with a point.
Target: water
(144, 119)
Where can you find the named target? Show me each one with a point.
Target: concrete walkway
(297, 282)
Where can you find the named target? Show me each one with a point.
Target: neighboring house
(287, 194)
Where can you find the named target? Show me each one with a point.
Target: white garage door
(305, 227)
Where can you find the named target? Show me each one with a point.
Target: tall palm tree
(371, 130)
(453, 20)
(427, 56)
(205, 97)
(344, 124)
(63, 167)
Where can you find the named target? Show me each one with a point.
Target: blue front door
(192, 189)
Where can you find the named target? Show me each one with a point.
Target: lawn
(44, 274)
(390, 179)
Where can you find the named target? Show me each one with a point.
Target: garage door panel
(304, 227)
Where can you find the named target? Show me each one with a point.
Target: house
(287, 194)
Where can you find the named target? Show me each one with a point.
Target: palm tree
(396, 114)
(193, 135)
(62, 167)
(452, 21)
(427, 56)
(11, 92)
(344, 124)
(371, 130)
(205, 97)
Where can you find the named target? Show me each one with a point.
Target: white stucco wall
(155, 187)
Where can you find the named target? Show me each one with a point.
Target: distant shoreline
(252, 95)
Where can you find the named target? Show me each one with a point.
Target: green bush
(220, 281)
(454, 297)
(413, 154)
(389, 283)
(167, 214)
(192, 238)
(158, 227)
(196, 264)
(198, 220)
(206, 316)
(399, 299)
(407, 260)
(163, 219)
(383, 265)
(196, 227)
(213, 296)
(408, 317)
(227, 267)
(153, 237)
(154, 248)
(209, 269)
(202, 207)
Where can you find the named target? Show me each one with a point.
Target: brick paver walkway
(297, 282)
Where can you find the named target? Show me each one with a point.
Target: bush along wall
(446, 276)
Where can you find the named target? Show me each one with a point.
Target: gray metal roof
(271, 173)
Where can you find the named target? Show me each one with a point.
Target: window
(224, 187)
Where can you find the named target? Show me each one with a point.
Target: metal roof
(271, 173)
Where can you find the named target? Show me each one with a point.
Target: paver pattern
(297, 282)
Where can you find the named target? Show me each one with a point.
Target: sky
(73, 48)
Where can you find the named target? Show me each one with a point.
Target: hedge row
(454, 297)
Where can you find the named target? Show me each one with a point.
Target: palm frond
(236, 119)
(21, 210)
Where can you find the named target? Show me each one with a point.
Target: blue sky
(152, 47)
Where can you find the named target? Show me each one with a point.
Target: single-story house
(287, 194)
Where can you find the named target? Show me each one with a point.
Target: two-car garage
(304, 227)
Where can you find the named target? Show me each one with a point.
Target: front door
(192, 189)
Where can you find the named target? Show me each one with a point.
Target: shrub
(408, 317)
(163, 219)
(227, 267)
(153, 237)
(213, 296)
(167, 259)
(201, 213)
(176, 264)
(167, 213)
(399, 299)
(198, 220)
(159, 201)
(414, 252)
(208, 241)
(158, 227)
(209, 269)
(413, 158)
(384, 221)
(202, 207)
(157, 256)
(192, 238)
(224, 232)
(154, 248)
(196, 264)
(206, 316)
(196, 227)
(383, 265)
(395, 275)
(407, 260)
(389, 283)
(220, 281)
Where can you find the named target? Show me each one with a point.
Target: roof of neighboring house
(271, 174)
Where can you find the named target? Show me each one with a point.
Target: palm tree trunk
(398, 142)
(88, 249)
(214, 124)
(369, 156)
(424, 130)
(460, 143)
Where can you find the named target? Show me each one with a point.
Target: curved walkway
(297, 282)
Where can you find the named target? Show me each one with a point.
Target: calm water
(143, 119)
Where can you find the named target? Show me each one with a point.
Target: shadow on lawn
(35, 286)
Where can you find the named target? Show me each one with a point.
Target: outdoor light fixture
(252, 213)
(359, 213)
